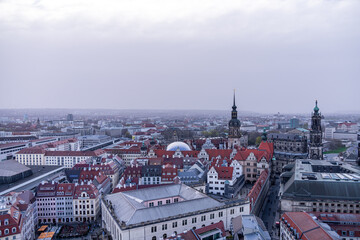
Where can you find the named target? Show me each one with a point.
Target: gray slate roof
(11, 167)
(129, 206)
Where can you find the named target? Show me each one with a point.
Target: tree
(128, 135)
(252, 137)
(258, 141)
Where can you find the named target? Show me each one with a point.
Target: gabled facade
(223, 181)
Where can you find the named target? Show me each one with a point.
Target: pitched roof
(71, 153)
(33, 150)
(306, 226)
(224, 173)
(223, 153)
(256, 189)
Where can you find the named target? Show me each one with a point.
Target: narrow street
(269, 213)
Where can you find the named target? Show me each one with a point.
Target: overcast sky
(181, 54)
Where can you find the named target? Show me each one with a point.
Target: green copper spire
(316, 109)
(264, 135)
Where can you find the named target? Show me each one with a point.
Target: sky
(279, 55)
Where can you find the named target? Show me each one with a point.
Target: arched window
(6, 231)
(153, 238)
(14, 230)
(164, 236)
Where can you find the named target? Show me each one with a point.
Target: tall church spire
(234, 105)
(316, 146)
(234, 112)
(234, 127)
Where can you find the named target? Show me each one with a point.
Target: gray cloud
(279, 55)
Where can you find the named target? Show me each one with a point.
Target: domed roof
(175, 145)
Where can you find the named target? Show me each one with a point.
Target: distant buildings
(7, 150)
(294, 122)
(91, 140)
(287, 148)
(39, 156)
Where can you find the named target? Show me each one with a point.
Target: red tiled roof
(65, 189)
(348, 124)
(224, 173)
(223, 153)
(162, 152)
(194, 234)
(90, 189)
(267, 146)
(305, 225)
(32, 150)
(256, 189)
(70, 153)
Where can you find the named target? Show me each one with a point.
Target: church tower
(234, 128)
(316, 146)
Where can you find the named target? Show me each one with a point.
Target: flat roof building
(321, 186)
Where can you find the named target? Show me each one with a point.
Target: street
(269, 213)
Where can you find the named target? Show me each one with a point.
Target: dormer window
(6, 222)
(14, 230)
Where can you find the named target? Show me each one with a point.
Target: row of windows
(46, 214)
(7, 231)
(184, 222)
(216, 188)
(333, 204)
(216, 182)
(84, 212)
(159, 203)
(338, 210)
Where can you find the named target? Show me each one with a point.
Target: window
(174, 224)
(6, 231)
(220, 214)
(176, 200)
(212, 216)
(203, 218)
(151, 204)
(159, 203)
(193, 220)
(164, 227)
(13, 230)
(184, 222)
(168, 201)
(241, 209)
(153, 229)
(232, 211)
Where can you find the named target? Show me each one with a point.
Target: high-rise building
(316, 146)
(70, 117)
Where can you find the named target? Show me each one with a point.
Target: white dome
(175, 145)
